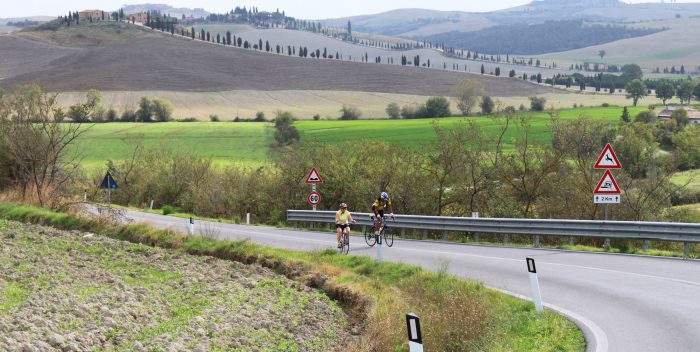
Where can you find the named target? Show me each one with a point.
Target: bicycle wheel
(369, 236)
(346, 244)
(388, 238)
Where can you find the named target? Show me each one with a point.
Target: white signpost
(314, 198)
(607, 191)
(415, 340)
(534, 284)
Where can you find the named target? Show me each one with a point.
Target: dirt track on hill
(171, 64)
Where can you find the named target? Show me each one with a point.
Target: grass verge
(458, 315)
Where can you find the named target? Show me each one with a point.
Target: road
(622, 302)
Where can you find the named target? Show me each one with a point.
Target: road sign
(313, 177)
(108, 182)
(314, 198)
(607, 185)
(608, 159)
(606, 199)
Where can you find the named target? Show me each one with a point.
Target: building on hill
(93, 15)
(693, 115)
(140, 17)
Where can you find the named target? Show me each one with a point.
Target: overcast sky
(310, 9)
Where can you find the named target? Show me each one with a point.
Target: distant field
(690, 179)
(243, 143)
(248, 143)
(306, 103)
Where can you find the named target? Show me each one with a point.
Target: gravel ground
(70, 291)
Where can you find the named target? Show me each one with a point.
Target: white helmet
(384, 196)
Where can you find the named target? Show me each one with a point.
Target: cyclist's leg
(338, 230)
(379, 223)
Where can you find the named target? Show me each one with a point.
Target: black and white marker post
(534, 283)
(415, 340)
(379, 247)
(191, 227)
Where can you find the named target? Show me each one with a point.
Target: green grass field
(226, 143)
(248, 143)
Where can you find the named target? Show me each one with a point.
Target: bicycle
(371, 239)
(345, 241)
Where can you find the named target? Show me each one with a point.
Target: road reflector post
(534, 283)
(379, 248)
(606, 244)
(247, 216)
(403, 232)
(85, 196)
(445, 236)
(415, 340)
(191, 227)
(150, 205)
(506, 239)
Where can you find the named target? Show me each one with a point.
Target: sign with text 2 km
(313, 177)
(608, 159)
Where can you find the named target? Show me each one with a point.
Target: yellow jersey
(342, 217)
(380, 205)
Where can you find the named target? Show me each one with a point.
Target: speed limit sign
(314, 198)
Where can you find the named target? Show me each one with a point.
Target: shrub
(487, 105)
(645, 116)
(408, 112)
(167, 210)
(214, 118)
(128, 116)
(259, 116)
(537, 103)
(162, 110)
(521, 107)
(187, 119)
(393, 111)
(317, 117)
(348, 112)
(605, 105)
(434, 107)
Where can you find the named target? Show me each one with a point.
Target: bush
(162, 110)
(259, 116)
(408, 112)
(434, 107)
(187, 119)
(521, 107)
(167, 210)
(487, 105)
(214, 118)
(349, 113)
(317, 117)
(393, 111)
(128, 116)
(537, 103)
(605, 105)
(646, 116)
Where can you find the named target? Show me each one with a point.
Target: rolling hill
(163, 62)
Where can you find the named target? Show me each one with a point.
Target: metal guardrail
(662, 231)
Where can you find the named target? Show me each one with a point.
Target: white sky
(309, 9)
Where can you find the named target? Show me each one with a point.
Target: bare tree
(36, 149)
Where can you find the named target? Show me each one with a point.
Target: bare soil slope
(167, 63)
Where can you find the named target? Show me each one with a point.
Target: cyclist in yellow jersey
(343, 218)
(378, 209)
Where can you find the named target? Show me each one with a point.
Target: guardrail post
(425, 234)
(364, 228)
(403, 232)
(571, 241)
(686, 249)
(445, 236)
(536, 243)
(645, 245)
(506, 238)
(606, 244)
(476, 237)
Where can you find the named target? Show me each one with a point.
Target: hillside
(164, 62)
(673, 47)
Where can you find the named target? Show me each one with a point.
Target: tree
(498, 71)
(285, 133)
(483, 70)
(467, 92)
(487, 105)
(646, 116)
(348, 112)
(696, 91)
(635, 89)
(537, 103)
(665, 90)
(680, 116)
(144, 113)
(631, 72)
(162, 110)
(685, 91)
(434, 107)
(260, 117)
(625, 118)
(601, 53)
(37, 158)
(393, 111)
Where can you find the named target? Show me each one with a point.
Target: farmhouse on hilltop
(140, 17)
(93, 15)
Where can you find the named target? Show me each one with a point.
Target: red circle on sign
(314, 198)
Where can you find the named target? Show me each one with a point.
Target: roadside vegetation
(458, 315)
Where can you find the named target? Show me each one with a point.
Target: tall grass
(458, 315)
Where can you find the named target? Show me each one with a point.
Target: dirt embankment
(67, 291)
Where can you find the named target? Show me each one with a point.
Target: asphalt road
(623, 302)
